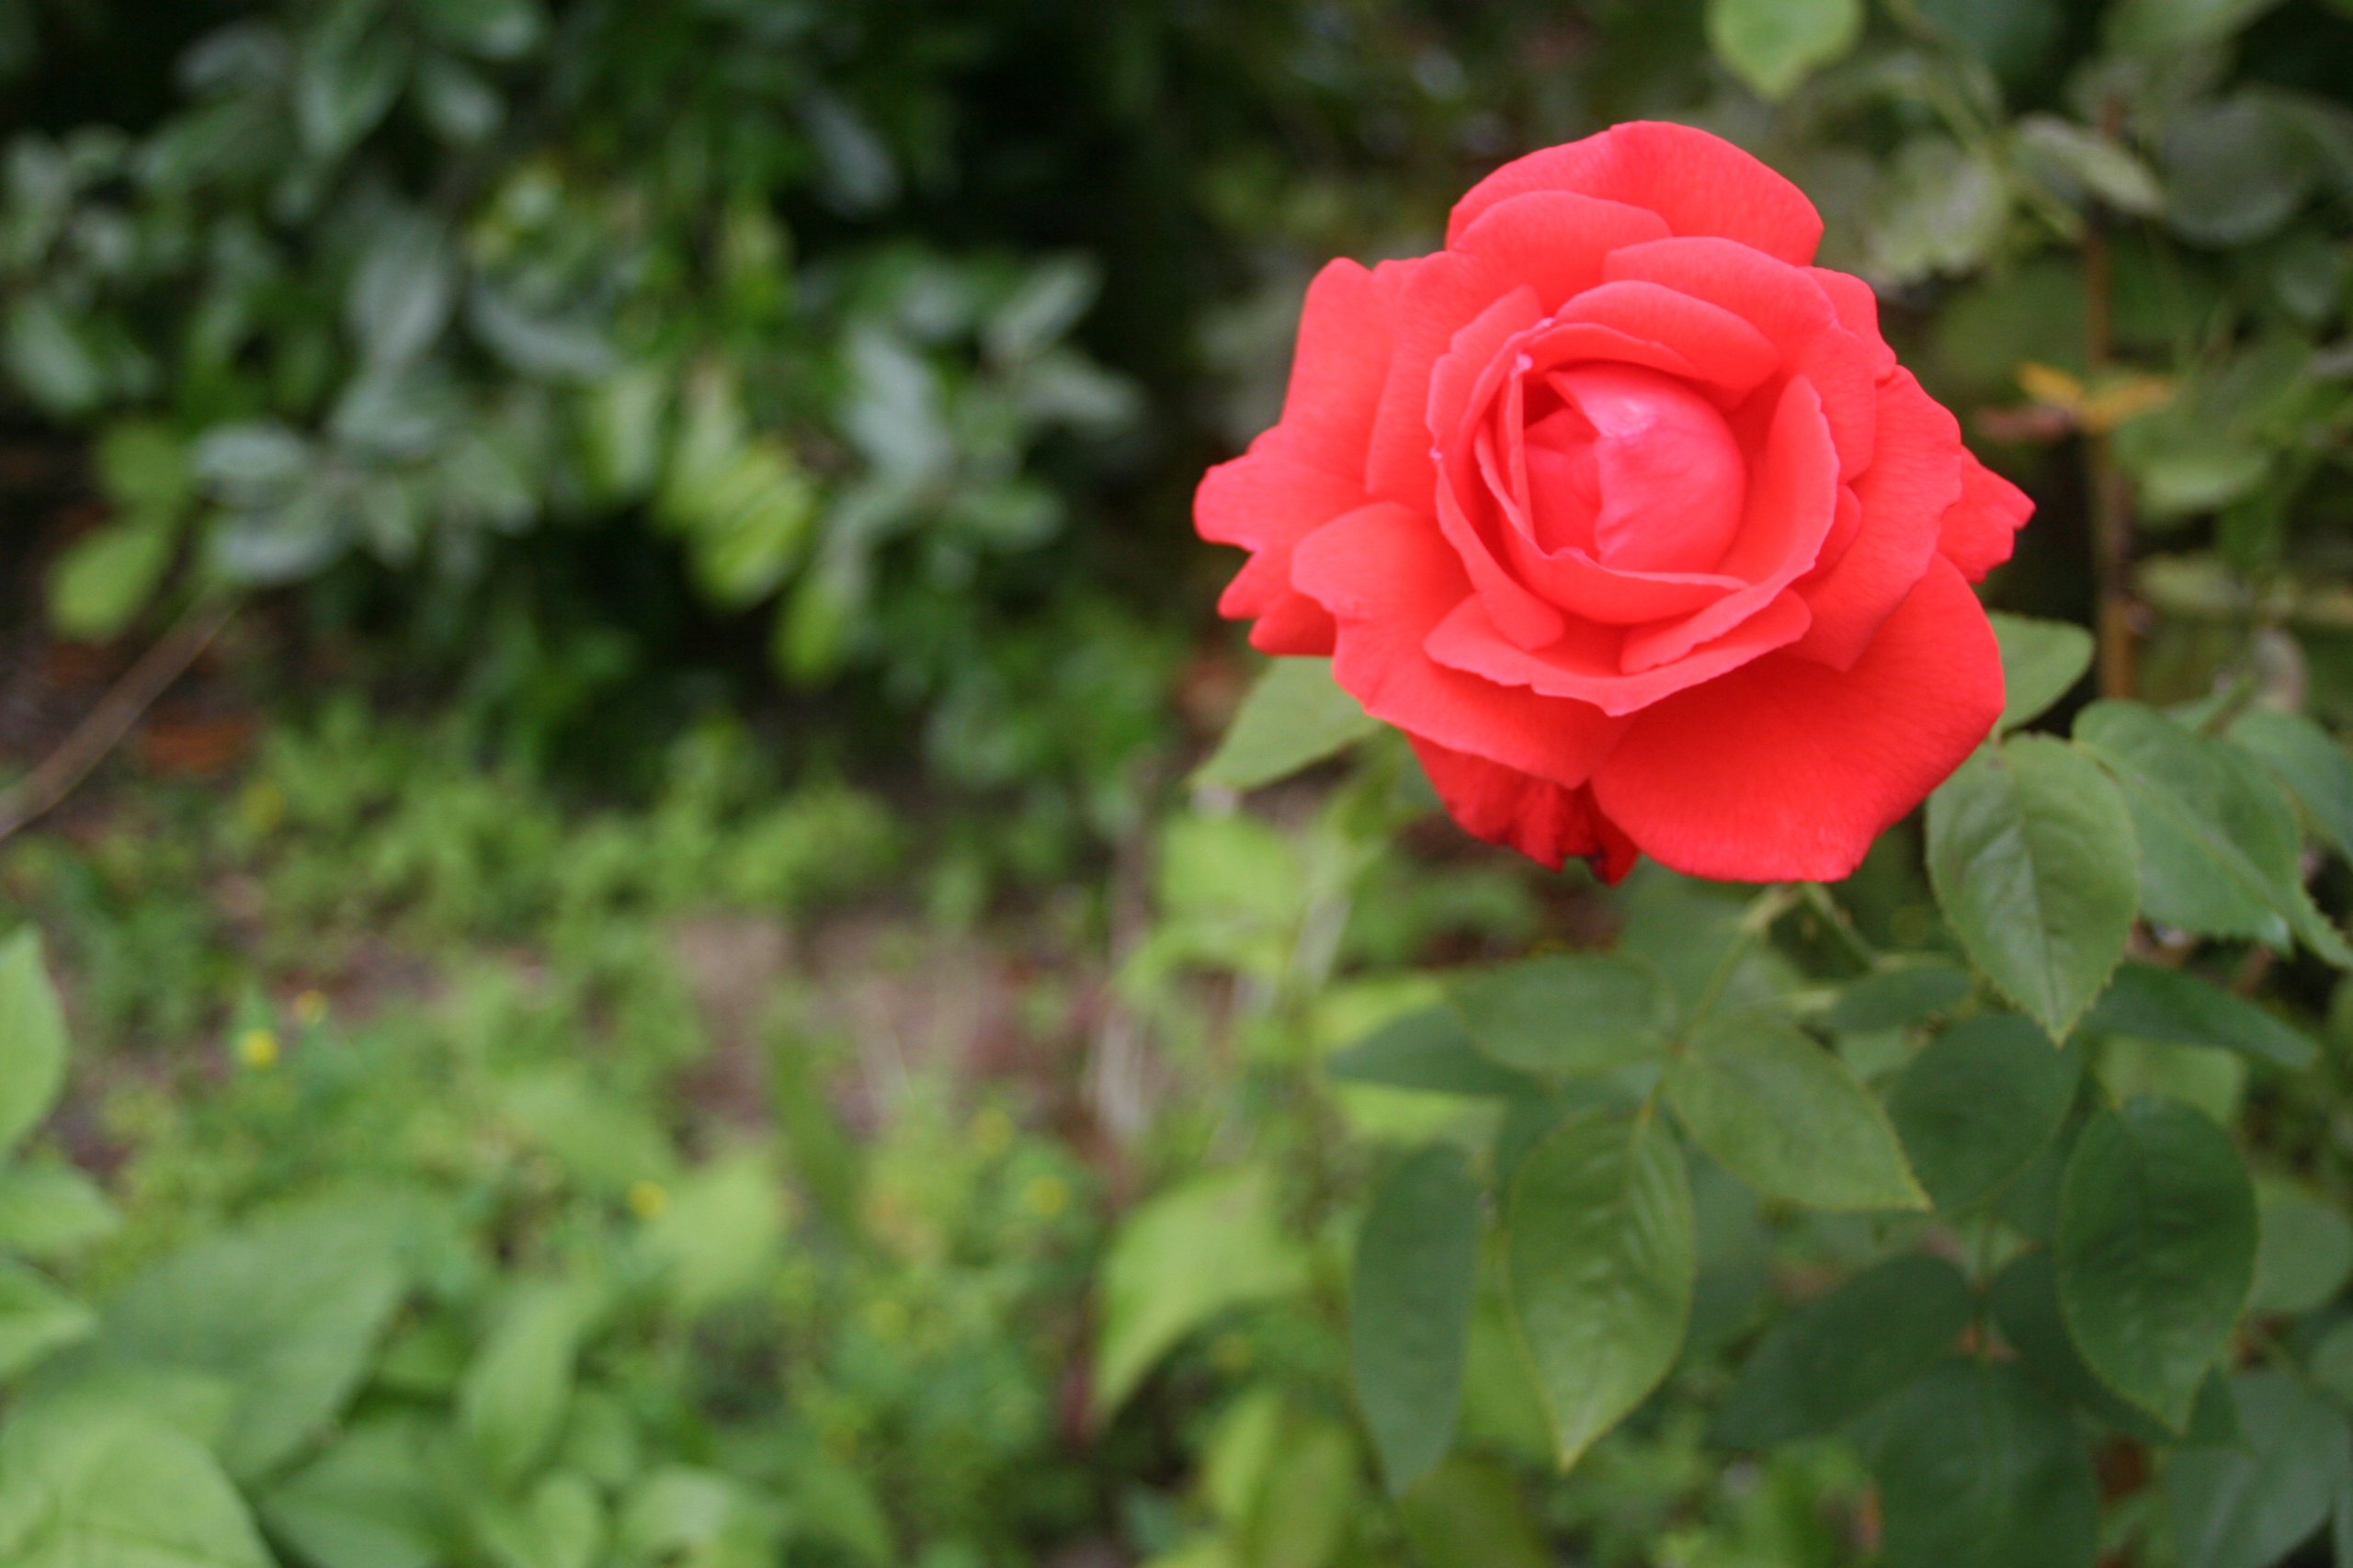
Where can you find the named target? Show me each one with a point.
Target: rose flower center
(1632, 468)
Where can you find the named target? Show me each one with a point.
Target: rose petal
(1553, 241)
(1388, 578)
(1909, 486)
(1586, 664)
(1676, 332)
(1787, 769)
(1267, 501)
(1700, 184)
(1541, 819)
(1341, 364)
(1978, 532)
(1858, 308)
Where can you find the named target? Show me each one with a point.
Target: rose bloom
(1625, 514)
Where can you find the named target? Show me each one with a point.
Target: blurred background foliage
(676, 871)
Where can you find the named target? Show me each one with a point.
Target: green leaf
(2249, 1505)
(1409, 1308)
(2160, 25)
(2155, 1250)
(1773, 45)
(404, 292)
(2042, 662)
(1294, 717)
(2304, 1253)
(1977, 1470)
(37, 1318)
(1430, 1051)
(2081, 162)
(1565, 1016)
(492, 29)
(1842, 1353)
(2151, 1003)
(1979, 1102)
(119, 1491)
(2307, 759)
(2235, 169)
(1469, 1513)
(1601, 1251)
(1787, 1116)
(287, 1311)
(368, 1502)
(47, 355)
(512, 1401)
(2024, 1299)
(719, 1236)
(1154, 1288)
(32, 1039)
(99, 586)
(1898, 994)
(345, 82)
(51, 1210)
(2218, 840)
(2032, 855)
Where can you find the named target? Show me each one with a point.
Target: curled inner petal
(1633, 468)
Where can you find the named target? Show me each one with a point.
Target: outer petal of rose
(1788, 306)
(1911, 485)
(1979, 530)
(1792, 501)
(1388, 579)
(1585, 664)
(1267, 501)
(1338, 371)
(1701, 184)
(1553, 243)
(1717, 348)
(1543, 821)
(1787, 770)
(1857, 309)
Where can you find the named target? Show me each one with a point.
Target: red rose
(1628, 517)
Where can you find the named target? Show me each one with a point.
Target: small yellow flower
(257, 1047)
(1047, 1197)
(648, 1199)
(310, 1009)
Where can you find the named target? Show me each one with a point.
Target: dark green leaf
(32, 1039)
(48, 356)
(2155, 1250)
(1978, 1103)
(2235, 169)
(2304, 1253)
(2031, 855)
(2042, 662)
(1427, 1049)
(1840, 1353)
(2151, 1003)
(1409, 1308)
(2249, 1506)
(1899, 993)
(2309, 761)
(347, 79)
(1787, 1116)
(1977, 1470)
(1601, 1251)
(1294, 717)
(403, 290)
(2218, 840)
(1565, 1016)
(494, 29)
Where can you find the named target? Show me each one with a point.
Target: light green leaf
(2250, 1504)
(1977, 1470)
(49, 357)
(368, 1502)
(1430, 1051)
(1773, 45)
(1787, 1116)
(2042, 662)
(2306, 758)
(98, 584)
(2148, 1002)
(119, 1491)
(512, 1401)
(1294, 717)
(1842, 1353)
(404, 292)
(345, 82)
(2218, 840)
(2079, 160)
(719, 1237)
(51, 1210)
(37, 1318)
(1978, 1103)
(1469, 1513)
(1409, 1308)
(288, 1311)
(1602, 1253)
(2155, 1250)
(2031, 853)
(1565, 1016)
(2304, 1250)
(32, 1039)
(1155, 1288)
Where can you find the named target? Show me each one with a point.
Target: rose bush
(1626, 514)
